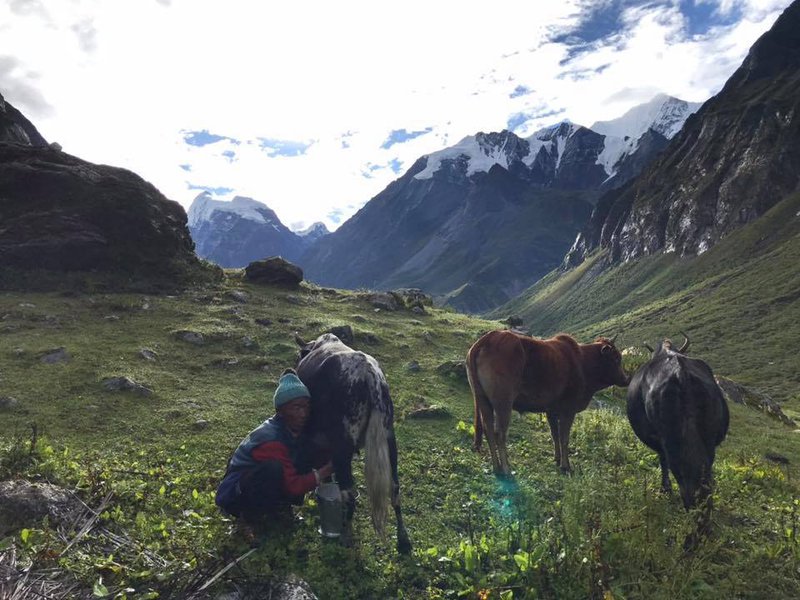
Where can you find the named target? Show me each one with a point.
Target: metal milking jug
(331, 509)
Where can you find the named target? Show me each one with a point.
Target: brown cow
(558, 376)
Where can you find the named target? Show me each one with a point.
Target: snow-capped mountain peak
(552, 139)
(663, 114)
(482, 151)
(204, 206)
(313, 231)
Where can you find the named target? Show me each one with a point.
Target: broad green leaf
(99, 589)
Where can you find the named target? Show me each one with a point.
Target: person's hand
(325, 471)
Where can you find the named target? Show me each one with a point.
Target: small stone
(264, 322)
(200, 424)
(429, 412)
(125, 384)
(413, 367)
(56, 355)
(418, 310)
(453, 368)
(148, 354)
(239, 296)
(343, 332)
(191, 337)
(7, 402)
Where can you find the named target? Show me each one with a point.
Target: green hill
(149, 464)
(739, 301)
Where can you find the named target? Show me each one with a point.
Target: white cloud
(120, 83)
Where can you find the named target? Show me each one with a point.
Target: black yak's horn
(299, 340)
(685, 346)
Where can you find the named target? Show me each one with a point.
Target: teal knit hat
(289, 388)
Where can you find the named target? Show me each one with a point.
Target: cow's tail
(478, 395)
(684, 445)
(378, 470)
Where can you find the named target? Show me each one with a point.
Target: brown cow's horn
(646, 345)
(685, 346)
(299, 340)
(614, 338)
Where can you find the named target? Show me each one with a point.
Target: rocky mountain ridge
(733, 160)
(476, 223)
(16, 128)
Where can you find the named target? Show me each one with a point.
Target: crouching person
(272, 467)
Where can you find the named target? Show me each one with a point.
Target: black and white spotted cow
(351, 409)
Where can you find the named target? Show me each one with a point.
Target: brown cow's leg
(487, 416)
(552, 420)
(564, 426)
(502, 421)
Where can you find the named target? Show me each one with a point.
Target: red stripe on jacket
(294, 484)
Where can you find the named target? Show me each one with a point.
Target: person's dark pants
(255, 492)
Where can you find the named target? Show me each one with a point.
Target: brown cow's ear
(605, 349)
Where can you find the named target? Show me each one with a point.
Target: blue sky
(314, 107)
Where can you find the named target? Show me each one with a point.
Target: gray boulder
(23, 504)
(274, 271)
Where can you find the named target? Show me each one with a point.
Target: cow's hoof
(403, 545)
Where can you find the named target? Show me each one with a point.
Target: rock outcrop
(15, 128)
(59, 213)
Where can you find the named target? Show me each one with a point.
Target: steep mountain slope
(478, 222)
(733, 160)
(707, 239)
(235, 233)
(739, 301)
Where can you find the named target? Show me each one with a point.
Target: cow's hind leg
(552, 420)
(502, 422)
(487, 417)
(403, 542)
(564, 427)
(343, 468)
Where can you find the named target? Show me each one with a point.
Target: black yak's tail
(378, 470)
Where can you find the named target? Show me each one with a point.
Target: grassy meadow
(150, 464)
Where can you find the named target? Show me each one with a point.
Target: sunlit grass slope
(604, 532)
(739, 302)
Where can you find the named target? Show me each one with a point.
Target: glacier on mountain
(664, 114)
